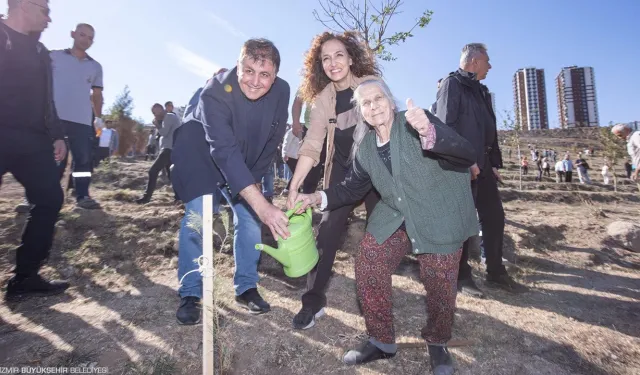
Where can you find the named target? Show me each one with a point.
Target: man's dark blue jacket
(231, 141)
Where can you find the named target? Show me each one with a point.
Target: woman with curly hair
(333, 67)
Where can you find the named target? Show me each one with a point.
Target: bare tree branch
(372, 22)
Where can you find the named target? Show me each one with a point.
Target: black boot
(252, 301)
(20, 287)
(468, 287)
(144, 199)
(365, 354)
(189, 311)
(440, 359)
(505, 282)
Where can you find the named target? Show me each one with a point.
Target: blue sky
(165, 51)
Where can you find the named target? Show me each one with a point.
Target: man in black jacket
(465, 104)
(31, 141)
(227, 145)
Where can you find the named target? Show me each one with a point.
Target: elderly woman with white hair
(420, 167)
(623, 131)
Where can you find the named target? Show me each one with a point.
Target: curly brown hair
(314, 78)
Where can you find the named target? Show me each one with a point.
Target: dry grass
(581, 316)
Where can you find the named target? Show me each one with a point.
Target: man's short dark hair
(168, 103)
(157, 105)
(85, 25)
(261, 49)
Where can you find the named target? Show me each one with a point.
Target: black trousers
(568, 175)
(330, 232)
(163, 161)
(491, 214)
(37, 172)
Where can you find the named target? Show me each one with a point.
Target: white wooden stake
(207, 283)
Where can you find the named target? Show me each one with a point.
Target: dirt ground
(581, 316)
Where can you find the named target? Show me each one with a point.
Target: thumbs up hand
(417, 118)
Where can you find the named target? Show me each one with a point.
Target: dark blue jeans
(80, 140)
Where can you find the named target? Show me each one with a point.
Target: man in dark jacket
(237, 125)
(32, 140)
(465, 104)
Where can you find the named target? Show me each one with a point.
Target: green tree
(123, 105)
(513, 139)
(370, 20)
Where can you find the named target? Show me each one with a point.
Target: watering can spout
(280, 256)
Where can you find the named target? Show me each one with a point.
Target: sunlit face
(36, 14)
(256, 77)
(83, 37)
(169, 107)
(482, 66)
(375, 106)
(336, 61)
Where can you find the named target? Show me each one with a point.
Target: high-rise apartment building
(530, 99)
(493, 102)
(577, 102)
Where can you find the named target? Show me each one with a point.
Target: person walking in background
(151, 145)
(105, 145)
(539, 166)
(546, 166)
(583, 170)
(605, 172)
(632, 138)
(524, 164)
(75, 75)
(567, 167)
(465, 104)
(32, 141)
(166, 123)
(560, 171)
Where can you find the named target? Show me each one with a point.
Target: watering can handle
(296, 208)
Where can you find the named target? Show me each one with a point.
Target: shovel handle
(290, 212)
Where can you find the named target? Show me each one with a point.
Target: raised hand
(417, 118)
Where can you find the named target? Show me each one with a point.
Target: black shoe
(365, 354)
(306, 319)
(505, 282)
(252, 301)
(469, 288)
(33, 286)
(188, 313)
(440, 359)
(143, 200)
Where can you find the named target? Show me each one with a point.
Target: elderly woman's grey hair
(362, 128)
(620, 128)
(470, 51)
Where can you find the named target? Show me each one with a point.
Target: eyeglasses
(44, 9)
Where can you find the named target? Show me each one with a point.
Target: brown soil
(582, 315)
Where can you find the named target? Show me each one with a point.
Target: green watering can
(298, 253)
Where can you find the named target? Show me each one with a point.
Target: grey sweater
(169, 125)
